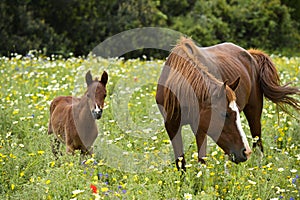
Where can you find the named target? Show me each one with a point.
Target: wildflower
(293, 170)
(199, 174)
(94, 189)
(251, 182)
(188, 196)
(52, 163)
(281, 169)
(76, 192)
(41, 152)
(48, 182)
(12, 156)
(16, 111)
(97, 196)
(12, 186)
(104, 189)
(195, 155)
(214, 153)
(135, 178)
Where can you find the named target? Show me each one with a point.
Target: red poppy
(94, 188)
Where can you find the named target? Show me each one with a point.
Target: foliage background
(61, 27)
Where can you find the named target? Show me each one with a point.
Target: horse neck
(190, 77)
(82, 110)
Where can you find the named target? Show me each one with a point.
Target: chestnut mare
(189, 91)
(72, 119)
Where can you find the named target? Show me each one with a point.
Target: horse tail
(270, 82)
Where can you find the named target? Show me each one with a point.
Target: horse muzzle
(97, 113)
(238, 157)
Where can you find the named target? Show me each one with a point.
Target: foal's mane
(188, 78)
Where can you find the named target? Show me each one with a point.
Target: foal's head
(96, 93)
(226, 120)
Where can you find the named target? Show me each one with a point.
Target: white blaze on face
(97, 109)
(234, 107)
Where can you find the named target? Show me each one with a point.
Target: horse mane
(188, 79)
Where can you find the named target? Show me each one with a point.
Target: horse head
(96, 93)
(227, 131)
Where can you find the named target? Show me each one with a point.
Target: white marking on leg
(234, 107)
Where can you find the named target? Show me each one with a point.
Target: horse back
(228, 61)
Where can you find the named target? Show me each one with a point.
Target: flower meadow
(133, 158)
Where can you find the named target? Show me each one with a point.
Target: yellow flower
(135, 178)
(105, 189)
(48, 182)
(41, 152)
(12, 186)
(22, 174)
(52, 163)
(16, 111)
(12, 156)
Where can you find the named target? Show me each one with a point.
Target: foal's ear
(234, 84)
(88, 78)
(104, 78)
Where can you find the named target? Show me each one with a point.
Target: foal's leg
(55, 147)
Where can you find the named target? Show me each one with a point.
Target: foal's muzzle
(97, 113)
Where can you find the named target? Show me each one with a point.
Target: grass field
(133, 156)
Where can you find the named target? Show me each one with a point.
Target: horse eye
(105, 96)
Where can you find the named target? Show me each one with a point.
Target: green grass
(133, 156)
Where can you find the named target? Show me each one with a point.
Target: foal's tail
(270, 82)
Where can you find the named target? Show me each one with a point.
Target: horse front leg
(173, 128)
(253, 115)
(201, 140)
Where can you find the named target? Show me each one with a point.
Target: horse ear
(234, 84)
(88, 78)
(104, 78)
(222, 91)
